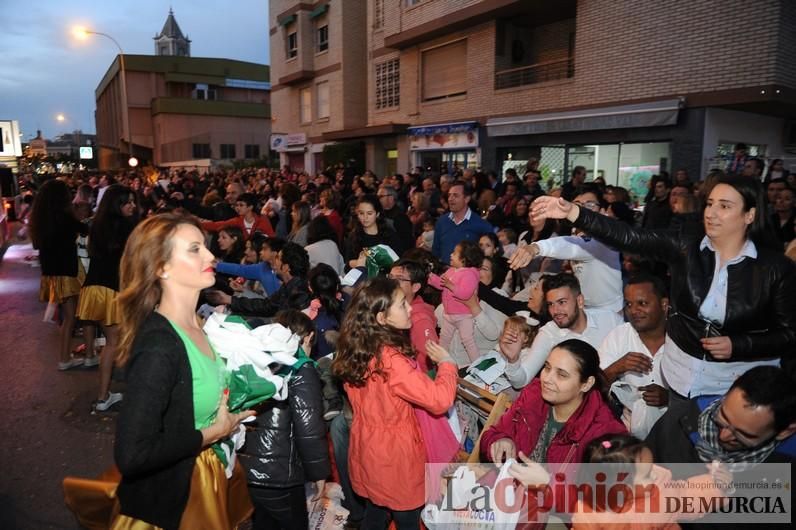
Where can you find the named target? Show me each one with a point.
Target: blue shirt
(448, 234)
(259, 271)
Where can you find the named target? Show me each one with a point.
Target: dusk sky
(45, 71)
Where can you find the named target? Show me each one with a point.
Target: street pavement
(46, 429)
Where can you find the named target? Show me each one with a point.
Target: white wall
(732, 126)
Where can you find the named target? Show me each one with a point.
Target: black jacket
(674, 436)
(156, 443)
(286, 443)
(294, 294)
(761, 306)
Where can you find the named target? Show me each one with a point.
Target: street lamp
(83, 34)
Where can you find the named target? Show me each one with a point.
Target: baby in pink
(459, 283)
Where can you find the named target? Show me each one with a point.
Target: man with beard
(570, 320)
(631, 354)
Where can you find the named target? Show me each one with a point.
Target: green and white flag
(378, 259)
(249, 355)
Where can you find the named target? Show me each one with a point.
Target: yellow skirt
(214, 503)
(56, 289)
(99, 304)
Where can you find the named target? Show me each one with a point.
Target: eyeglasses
(722, 425)
(591, 205)
(383, 196)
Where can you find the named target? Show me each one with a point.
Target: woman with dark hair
(731, 291)
(377, 364)
(329, 202)
(555, 417)
(115, 219)
(326, 308)
(322, 247)
(776, 170)
(370, 229)
(519, 216)
(231, 244)
(54, 229)
(300, 217)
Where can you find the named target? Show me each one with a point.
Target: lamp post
(83, 33)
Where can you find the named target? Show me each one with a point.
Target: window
(292, 45)
(378, 14)
(227, 150)
(251, 150)
(322, 38)
(323, 99)
(201, 151)
(204, 91)
(410, 3)
(305, 103)
(444, 71)
(388, 84)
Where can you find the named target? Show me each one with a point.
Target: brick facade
(719, 51)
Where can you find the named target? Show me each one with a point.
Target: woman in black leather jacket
(286, 443)
(725, 317)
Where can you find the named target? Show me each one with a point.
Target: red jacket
(261, 224)
(386, 458)
(523, 423)
(336, 222)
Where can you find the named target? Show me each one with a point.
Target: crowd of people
(661, 333)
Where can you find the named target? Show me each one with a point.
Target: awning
(320, 10)
(287, 20)
(443, 128)
(651, 114)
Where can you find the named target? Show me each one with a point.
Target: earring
(164, 276)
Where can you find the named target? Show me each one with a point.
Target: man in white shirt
(597, 266)
(631, 355)
(570, 320)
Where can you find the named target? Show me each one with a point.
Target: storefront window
(628, 165)
(447, 161)
(637, 164)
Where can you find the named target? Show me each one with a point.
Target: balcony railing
(535, 73)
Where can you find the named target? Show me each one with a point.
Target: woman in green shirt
(176, 402)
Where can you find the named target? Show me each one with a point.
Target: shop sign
(296, 139)
(439, 141)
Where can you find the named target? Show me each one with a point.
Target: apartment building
(189, 111)
(626, 88)
(171, 109)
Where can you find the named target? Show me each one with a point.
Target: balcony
(535, 73)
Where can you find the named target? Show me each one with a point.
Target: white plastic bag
(459, 511)
(326, 513)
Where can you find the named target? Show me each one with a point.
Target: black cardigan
(156, 443)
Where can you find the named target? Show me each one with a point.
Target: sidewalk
(47, 431)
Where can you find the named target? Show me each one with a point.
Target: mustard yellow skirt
(99, 304)
(214, 503)
(56, 289)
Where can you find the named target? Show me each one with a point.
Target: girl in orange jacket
(376, 362)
